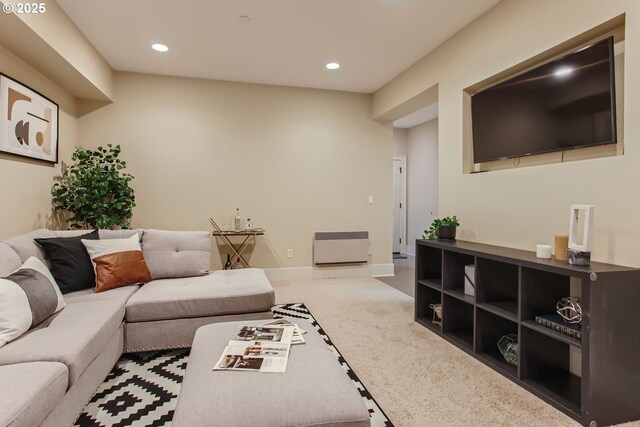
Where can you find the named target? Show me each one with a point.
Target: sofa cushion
(117, 262)
(25, 247)
(28, 297)
(69, 233)
(76, 335)
(70, 262)
(221, 292)
(29, 391)
(176, 253)
(121, 234)
(104, 233)
(9, 260)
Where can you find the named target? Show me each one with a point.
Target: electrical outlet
(370, 201)
(289, 253)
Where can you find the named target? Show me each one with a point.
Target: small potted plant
(442, 228)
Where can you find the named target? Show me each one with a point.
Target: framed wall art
(28, 122)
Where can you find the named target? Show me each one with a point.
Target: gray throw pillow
(171, 254)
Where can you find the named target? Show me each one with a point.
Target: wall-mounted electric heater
(340, 247)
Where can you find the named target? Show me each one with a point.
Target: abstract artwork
(28, 122)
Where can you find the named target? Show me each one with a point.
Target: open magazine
(257, 356)
(262, 348)
(297, 337)
(265, 333)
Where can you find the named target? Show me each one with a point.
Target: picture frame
(28, 122)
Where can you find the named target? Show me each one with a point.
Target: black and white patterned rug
(142, 389)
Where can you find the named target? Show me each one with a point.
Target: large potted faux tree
(95, 190)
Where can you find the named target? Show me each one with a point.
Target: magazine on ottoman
(263, 348)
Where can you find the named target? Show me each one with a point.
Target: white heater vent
(340, 247)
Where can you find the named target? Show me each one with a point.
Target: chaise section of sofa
(165, 313)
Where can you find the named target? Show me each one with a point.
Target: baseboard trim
(330, 272)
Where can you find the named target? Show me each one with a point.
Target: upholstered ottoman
(314, 391)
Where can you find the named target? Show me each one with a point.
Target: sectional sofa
(48, 374)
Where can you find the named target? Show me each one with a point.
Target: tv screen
(564, 104)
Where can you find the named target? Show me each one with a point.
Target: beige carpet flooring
(416, 377)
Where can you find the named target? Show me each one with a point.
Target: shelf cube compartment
(489, 330)
(425, 298)
(545, 365)
(541, 291)
(457, 320)
(497, 286)
(429, 264)
(453, 269)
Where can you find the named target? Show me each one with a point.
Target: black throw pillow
(70, 262)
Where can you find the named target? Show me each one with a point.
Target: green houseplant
(95, 189)
(442, 228)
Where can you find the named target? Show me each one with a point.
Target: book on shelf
(557, 323)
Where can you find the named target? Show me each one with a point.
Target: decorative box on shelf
(470, 279)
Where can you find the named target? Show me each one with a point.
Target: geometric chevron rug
(142, 389)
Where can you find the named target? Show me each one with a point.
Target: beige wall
(55, 46)
(523, 207)
(294, 160)
(25, 185)
(422, 180)
(400, 141)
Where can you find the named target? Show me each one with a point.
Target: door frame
(402, 158)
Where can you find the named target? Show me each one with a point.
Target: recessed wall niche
(614, 27)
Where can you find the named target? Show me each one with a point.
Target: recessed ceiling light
(564, 71)
(159, 47)
(332, 66)
(244, 18)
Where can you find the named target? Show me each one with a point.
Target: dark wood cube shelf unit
(595, 379)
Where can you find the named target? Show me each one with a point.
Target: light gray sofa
(51, 372)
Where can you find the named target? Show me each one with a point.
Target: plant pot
(447, 232)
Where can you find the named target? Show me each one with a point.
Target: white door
(399, 208)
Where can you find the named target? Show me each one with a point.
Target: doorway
(399, 205)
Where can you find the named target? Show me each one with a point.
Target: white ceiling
(286, 42)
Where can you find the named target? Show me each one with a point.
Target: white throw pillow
(28, 296)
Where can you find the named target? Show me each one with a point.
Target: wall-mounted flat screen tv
(564, 104)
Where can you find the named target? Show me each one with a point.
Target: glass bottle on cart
(236, 225)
